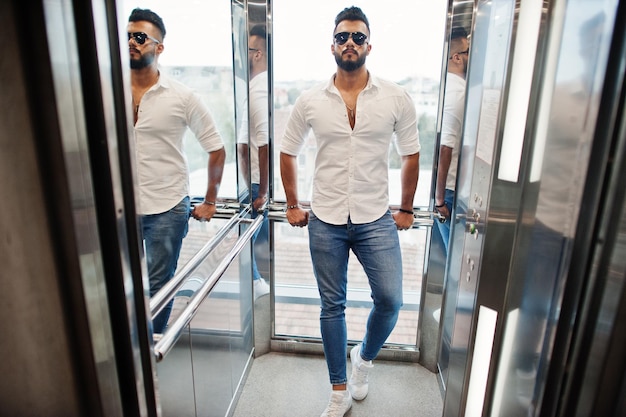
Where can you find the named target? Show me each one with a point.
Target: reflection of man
(163, 110)
(252, 141)
(354, 117)
(451, 129)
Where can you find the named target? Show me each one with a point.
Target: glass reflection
(207, 71)
(451, 129)
(253, 145)
(164, 110)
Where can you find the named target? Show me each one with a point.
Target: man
(163, 110)
(451, 129)
(252, 141)
(353, 117)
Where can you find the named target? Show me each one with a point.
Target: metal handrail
(421, 217)
(173, 332)
(168, 291)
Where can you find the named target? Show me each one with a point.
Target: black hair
(458, 32)
(352, 13)
(147, 15)
(258, 30)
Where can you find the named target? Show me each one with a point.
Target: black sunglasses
(140, 37)
(357, 37)
(461, 53)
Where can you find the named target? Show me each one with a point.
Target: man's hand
(297, 217)
(403, 221)
(443, 210)
(259, 202)
(203, 212)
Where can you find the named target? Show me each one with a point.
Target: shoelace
(361, 375)
(335, 406)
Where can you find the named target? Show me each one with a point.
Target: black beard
(350, 65)
(142, 62)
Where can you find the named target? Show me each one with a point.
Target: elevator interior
(530, 298)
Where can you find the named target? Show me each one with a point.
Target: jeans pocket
(182, 208)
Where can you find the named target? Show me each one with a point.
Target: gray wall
(36, 357)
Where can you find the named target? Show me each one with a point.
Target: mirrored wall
(198, 51)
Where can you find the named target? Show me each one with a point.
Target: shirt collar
(163, 81)
(372, 82)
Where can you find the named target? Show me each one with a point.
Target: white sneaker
(339, 404)
(260, 288)
(358, 383)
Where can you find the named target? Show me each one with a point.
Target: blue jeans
(377, 247)
(444, 228)
(254, 192)
(163, 235)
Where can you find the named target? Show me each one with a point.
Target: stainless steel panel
(222, 339)
(38, 357)
(544, 258)
(518, 229)
(90, 93)
(174, 379)
(442, 287)
(596, 386)
(487, 68)
(215, 352)
(257, 12)
(78, 264)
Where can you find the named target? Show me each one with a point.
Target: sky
(406, 35)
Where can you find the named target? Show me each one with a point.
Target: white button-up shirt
(166, 110)
(257, 125)
(452, 122)
(351, 166)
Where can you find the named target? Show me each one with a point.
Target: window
(407, 44)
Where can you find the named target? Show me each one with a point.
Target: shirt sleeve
(242, 135)
(296, 130)
(407, 134)
(259, 115)
(201, 123)
(453, 107)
